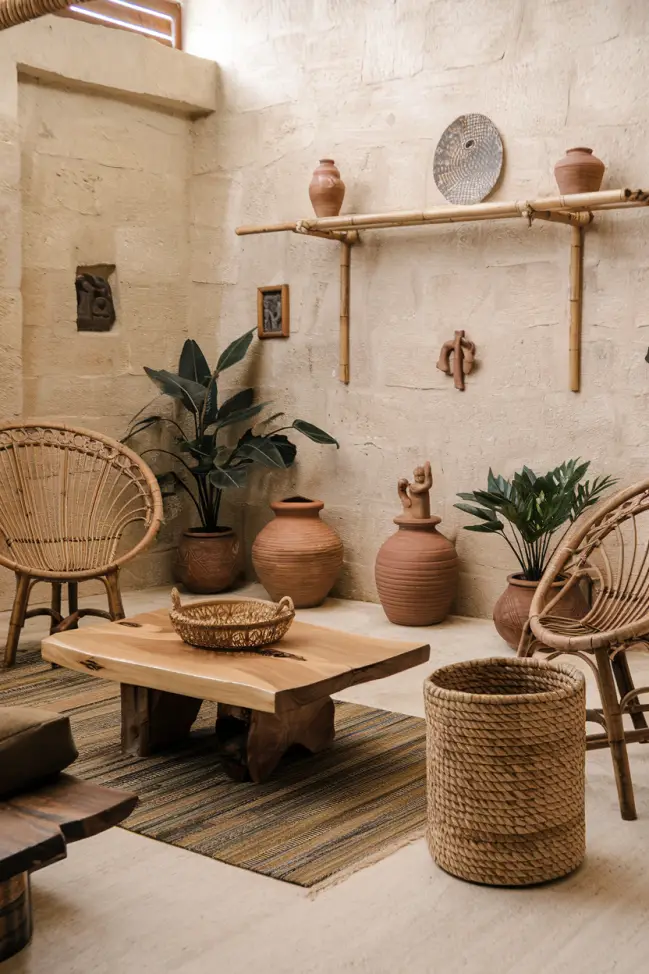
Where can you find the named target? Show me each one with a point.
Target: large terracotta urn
(297, 554)
(417, 568)
(207, 562)
(512, 609)
(326, 190)
(579, 171)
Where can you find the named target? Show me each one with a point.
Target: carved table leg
(15, 915)
(252, 742)
(153, 718)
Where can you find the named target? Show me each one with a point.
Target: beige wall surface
(95, 160)
(374, 84)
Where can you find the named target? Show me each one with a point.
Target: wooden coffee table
(266, 703)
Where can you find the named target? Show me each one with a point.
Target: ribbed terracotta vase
(512, 609)
(326, 190)
(297, 554)
(207, 562)
(417, 573)
(579, 171)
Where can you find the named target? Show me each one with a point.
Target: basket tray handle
(175, 600)
(285, 603)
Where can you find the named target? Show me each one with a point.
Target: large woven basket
(231, 624)
(505, 770)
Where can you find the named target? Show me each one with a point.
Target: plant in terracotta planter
(534, 508)
(208, 460)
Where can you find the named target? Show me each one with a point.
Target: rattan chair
(607, 549)
(67, 495)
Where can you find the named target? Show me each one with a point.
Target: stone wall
(95, 159)
(374, 85)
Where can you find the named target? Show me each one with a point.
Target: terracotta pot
(297, 554)
(417, 573)
(206, 562)
(512, 609)
(579, 172)
(326, 190)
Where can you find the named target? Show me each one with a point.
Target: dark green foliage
(212, 462)
(535, 507)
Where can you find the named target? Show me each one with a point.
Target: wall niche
(96, 305)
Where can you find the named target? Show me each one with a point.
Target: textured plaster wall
(374, 84)
(95, 160)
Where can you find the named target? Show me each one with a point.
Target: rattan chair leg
(73, 603)
(526, 643)
(624, 680)
(17, 620)
(56, 605)
(615, 730)
(115, 604)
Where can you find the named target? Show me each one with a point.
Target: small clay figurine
(415, 496)
(463, 352)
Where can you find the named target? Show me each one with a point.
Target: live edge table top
(145, 651)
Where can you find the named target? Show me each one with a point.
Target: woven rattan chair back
(607, 549)
(74, 505)
(66, 498)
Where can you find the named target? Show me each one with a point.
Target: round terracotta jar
(512, 609)
(579, 171)
(297, 554)
(417, 573)
(326, 190)
(207, 562)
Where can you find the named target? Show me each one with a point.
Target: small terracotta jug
(326, 190)
(579, 172)
(297, 554)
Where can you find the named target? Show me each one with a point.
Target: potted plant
(534, 508)
(207, 460)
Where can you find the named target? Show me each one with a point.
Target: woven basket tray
(231, 624)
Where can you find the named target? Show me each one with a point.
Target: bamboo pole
(576, 294)
(14, 12)
(582, 218)
(454, 214)
(345, 264)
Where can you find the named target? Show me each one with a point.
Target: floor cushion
(34, 746)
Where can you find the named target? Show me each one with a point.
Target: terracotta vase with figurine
(417, 568)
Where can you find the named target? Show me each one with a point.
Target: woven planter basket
(505, 769)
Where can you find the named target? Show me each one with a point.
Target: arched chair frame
(38, 491)
(616, 621)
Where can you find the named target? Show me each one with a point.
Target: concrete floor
(122, 903)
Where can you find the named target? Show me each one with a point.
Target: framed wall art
(273, 311)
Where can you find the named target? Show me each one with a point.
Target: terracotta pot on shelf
(297, 554)
(512, 609)
(579, 172)
(207, 562)
(326, 190)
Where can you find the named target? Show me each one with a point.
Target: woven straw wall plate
(231, 624)
(468, 160)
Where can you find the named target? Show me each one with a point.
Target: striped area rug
(318, 818)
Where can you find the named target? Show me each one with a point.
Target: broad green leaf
(223, 477)
(314, 433)
(489, 528)
(211, 407)
(475, 511)
(140, 426)
(261, 449)
(241, 415)
(193, 364)
(285, 447)
(234, 352)
(190, 393)
(241, 400)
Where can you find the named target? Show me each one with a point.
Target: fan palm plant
(534, 507)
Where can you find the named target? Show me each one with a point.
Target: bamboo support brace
(576, 294)
(345, 262)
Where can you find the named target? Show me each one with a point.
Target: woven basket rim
(181, 618)
(573, 682)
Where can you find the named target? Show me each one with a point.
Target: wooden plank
(146, 652)
(169, 25)
(73, 808)
(27, 843)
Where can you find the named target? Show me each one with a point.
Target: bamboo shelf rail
(576, 211)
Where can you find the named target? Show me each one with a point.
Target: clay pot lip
(518, 581)
(323, 161)
(296, 505)
(417, 524)
(223, 532)
(580, 148)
